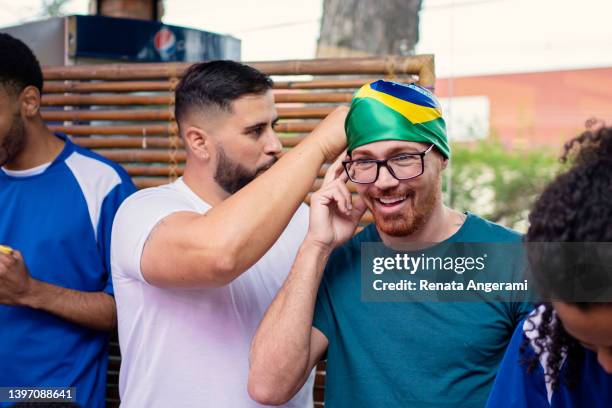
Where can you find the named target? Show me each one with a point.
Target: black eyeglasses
(405, 166)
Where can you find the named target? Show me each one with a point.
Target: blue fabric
(46, 217)
(408, 92)
(516, 388)
(411, 354)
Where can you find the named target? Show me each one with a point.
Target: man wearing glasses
(382, 354)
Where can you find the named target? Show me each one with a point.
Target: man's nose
(385, 179)
(273, 144)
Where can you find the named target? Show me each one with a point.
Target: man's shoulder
(140, 212)
(162, 197)
(482, 230)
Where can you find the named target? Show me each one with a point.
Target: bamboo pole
(151, 142)
(125, 142)
(391, 65)
(395, 65)
(164, 114)
(334, 83)
(75, 100)
(142, 156)
(109, 115)
(55, 87)
(168, 99)
(118, 87)
(163, 130)
(83, 130)
(313, 97)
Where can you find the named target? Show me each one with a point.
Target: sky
(468, 37)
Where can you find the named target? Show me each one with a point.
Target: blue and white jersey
(514, 387)
(60, 217)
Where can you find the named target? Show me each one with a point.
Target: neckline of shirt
(180, 184)
(34, 171)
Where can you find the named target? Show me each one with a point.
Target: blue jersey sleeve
(109, 208)
(514, 387)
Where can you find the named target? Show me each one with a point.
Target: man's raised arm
(192, 250)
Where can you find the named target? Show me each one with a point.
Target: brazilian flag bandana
(385, 110)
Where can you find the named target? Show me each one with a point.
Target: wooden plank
(163, 114)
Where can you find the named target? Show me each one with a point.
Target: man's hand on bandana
(334, 214)
(331, 129)
(15, 280)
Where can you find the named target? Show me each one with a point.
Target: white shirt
(190, 347)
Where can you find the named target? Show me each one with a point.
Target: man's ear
(444, 163)
(30, 101)
(198, 141)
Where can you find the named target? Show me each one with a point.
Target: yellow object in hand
(5, 249)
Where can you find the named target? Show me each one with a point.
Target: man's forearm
(281, 353)
(95, 310)
(248, 223)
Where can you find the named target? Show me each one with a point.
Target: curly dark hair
(19, 67)
(575, 207)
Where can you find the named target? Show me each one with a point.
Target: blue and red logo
(165, 44)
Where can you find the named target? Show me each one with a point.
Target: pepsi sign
(149, 41)
(165, 44)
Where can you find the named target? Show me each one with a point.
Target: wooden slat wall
(126, 113)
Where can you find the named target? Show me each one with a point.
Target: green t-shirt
(411, 354)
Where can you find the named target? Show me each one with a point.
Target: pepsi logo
(165, 42)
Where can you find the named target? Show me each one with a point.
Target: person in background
(561, 355)
(57, 202)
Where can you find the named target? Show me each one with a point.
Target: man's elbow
(224, 270)
(207, 271)
(195, 272)
(266, 393)
(110, 324)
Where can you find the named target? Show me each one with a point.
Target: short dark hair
(217, 84)
(19, 67)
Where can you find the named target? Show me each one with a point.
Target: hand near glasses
(334, 214)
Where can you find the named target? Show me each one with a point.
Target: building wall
(541, 109)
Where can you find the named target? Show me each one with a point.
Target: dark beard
(232, 176)
(14, 141)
